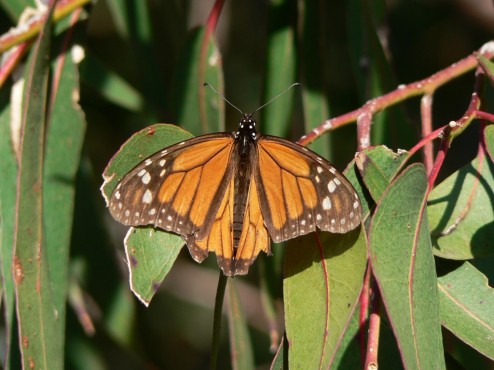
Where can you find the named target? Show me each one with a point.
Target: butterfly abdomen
(242, 154)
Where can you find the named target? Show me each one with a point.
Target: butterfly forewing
(174, 189)
(229, 193)
(300, 190)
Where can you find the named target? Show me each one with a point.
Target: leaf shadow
(304, 251)
(480, 240)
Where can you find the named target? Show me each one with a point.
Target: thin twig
(401, 93)
(371, 361)
(426, 114)
(12, 61)
(218, 315)
(30, 29)
(364, 311)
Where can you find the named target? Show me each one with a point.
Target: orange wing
(178, 189)
(299, 190)
(253, 239)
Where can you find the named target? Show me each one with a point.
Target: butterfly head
(247, 128)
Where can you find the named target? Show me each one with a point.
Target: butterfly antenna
(225, 99)
(277, 96)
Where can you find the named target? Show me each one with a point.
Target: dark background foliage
(134, 54)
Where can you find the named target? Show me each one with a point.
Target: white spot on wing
(319, 169)
(355, 204)
(331, 186)
(162, 162)
(326, 204)
(147, 196)
(146, 178)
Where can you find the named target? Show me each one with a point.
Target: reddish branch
(426, 117)
(426, 86)
(371, 361)
(30, 29)
(22, 35)
(12, 61)
(364, 115)
(364, 311)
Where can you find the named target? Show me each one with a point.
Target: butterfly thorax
(246, 133)
(243, 156)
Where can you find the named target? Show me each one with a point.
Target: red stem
(403, 92)
(13, 60)
(213, 17)
(61, 58)
(374, 330)
(484, 115)
(210, 27)
(426, 113)
(364, 310)
(31, 28)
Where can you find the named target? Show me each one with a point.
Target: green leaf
(350, 343)
(8, 169)
(39, 323)
(137, 148)
(150, 256)
(64, 139)
(150, 252)
(403, 265)
(487, 66)
(489, 141)
(352, 174)
(198, 109)
(15, 7)
(378, 166)
(466, 302)
(240, 343)
(460, 212)
(280, 69)
(324, 290)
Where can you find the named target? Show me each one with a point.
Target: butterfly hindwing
(230, 193)
(254, 237)
(300, 190)
(177, 189)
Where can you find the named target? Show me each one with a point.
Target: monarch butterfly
(229, 193)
